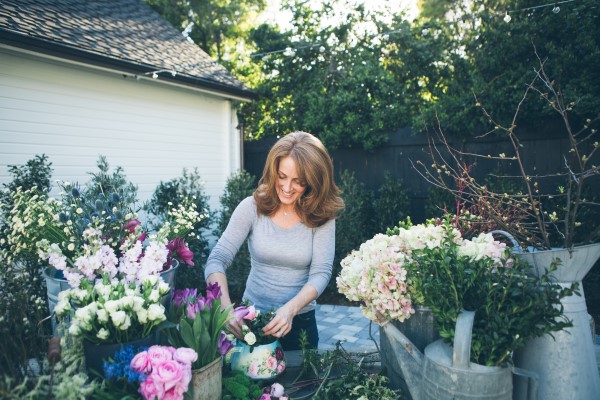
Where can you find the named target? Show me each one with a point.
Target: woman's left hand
(281, 324)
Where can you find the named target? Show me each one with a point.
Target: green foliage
(238, 386)
(103, 183)
(172, 194)
(391, 204)
(354, 225)
(510, 306)
(239, 186)
(22, 288)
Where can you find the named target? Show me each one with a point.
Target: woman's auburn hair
(320, 202)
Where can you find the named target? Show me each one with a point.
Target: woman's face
(289, 186)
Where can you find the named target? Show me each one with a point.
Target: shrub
(354, 225)
(22, 289)
(391, 204)
(239, 186)
(172, 194)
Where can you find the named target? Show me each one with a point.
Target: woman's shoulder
(248, 205)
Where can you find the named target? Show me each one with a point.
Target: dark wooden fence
(542, 151)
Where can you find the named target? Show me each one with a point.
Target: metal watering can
(445, 372)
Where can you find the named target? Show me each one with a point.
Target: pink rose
(150, 389)
(172, 395)
(183, 384)
(283, 398)
(185, 355)
(272, 362)
(251, 313)
(169, 373)
(281, 367)
(264, 396)
(158, 354)
(141, 363)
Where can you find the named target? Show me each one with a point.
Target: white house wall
(75, 114)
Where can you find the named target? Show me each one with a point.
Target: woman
(290, 226)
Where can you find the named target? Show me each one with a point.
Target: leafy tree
(217, 26)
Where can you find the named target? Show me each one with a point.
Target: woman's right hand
(235, 327)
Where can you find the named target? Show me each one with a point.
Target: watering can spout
(409, 357)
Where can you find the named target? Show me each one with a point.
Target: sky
(272, 12)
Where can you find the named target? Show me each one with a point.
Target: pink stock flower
(131, 225)
(185, 355)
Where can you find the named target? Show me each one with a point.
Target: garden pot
(565, 360)
(95, 354)
(420, 330)
(206, 381)
(265, 361)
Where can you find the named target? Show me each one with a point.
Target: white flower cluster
(483, 246)
(375, 275)
(114, 310)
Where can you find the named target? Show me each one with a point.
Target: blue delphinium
(117, 368)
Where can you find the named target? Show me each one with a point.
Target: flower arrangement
(198, 322)
(113, 311)
(156, 373)
(88, 239)
(254, 322)
(449, 273)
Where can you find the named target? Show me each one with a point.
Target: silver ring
(281, 332)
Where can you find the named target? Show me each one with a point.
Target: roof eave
(74, 54)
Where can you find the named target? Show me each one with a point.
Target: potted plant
(259, 356)
(550, 221)
(198, 322)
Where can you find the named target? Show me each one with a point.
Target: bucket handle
(532, 381)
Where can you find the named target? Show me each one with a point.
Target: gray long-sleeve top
(282, 260)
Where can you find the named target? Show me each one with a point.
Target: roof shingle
(118, 30)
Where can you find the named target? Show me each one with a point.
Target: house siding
(75, 114)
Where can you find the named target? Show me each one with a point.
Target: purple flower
(240, 312)
(183, 252)
(131, 225)
(213, 291)
(193, 309)
(224, 344)
(184, 296)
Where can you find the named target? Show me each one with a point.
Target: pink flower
(264, 396)
(253, 370)
(185, 355)
(272, 362)
(141, 363)
(172, 394)
(184, 254)
(277, 390)
(251, 313)
(150, 389)
(168, 372)
(283, 398)
(158, 354)
(281, 367)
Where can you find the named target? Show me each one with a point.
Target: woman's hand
(281, 324)
(235, 327)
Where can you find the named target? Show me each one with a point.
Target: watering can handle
(532, 381)
(516, 246)
(461, 355)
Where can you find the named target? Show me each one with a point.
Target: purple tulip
(240, 312)
(184, 296)
(213, 291)
(224, 344)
